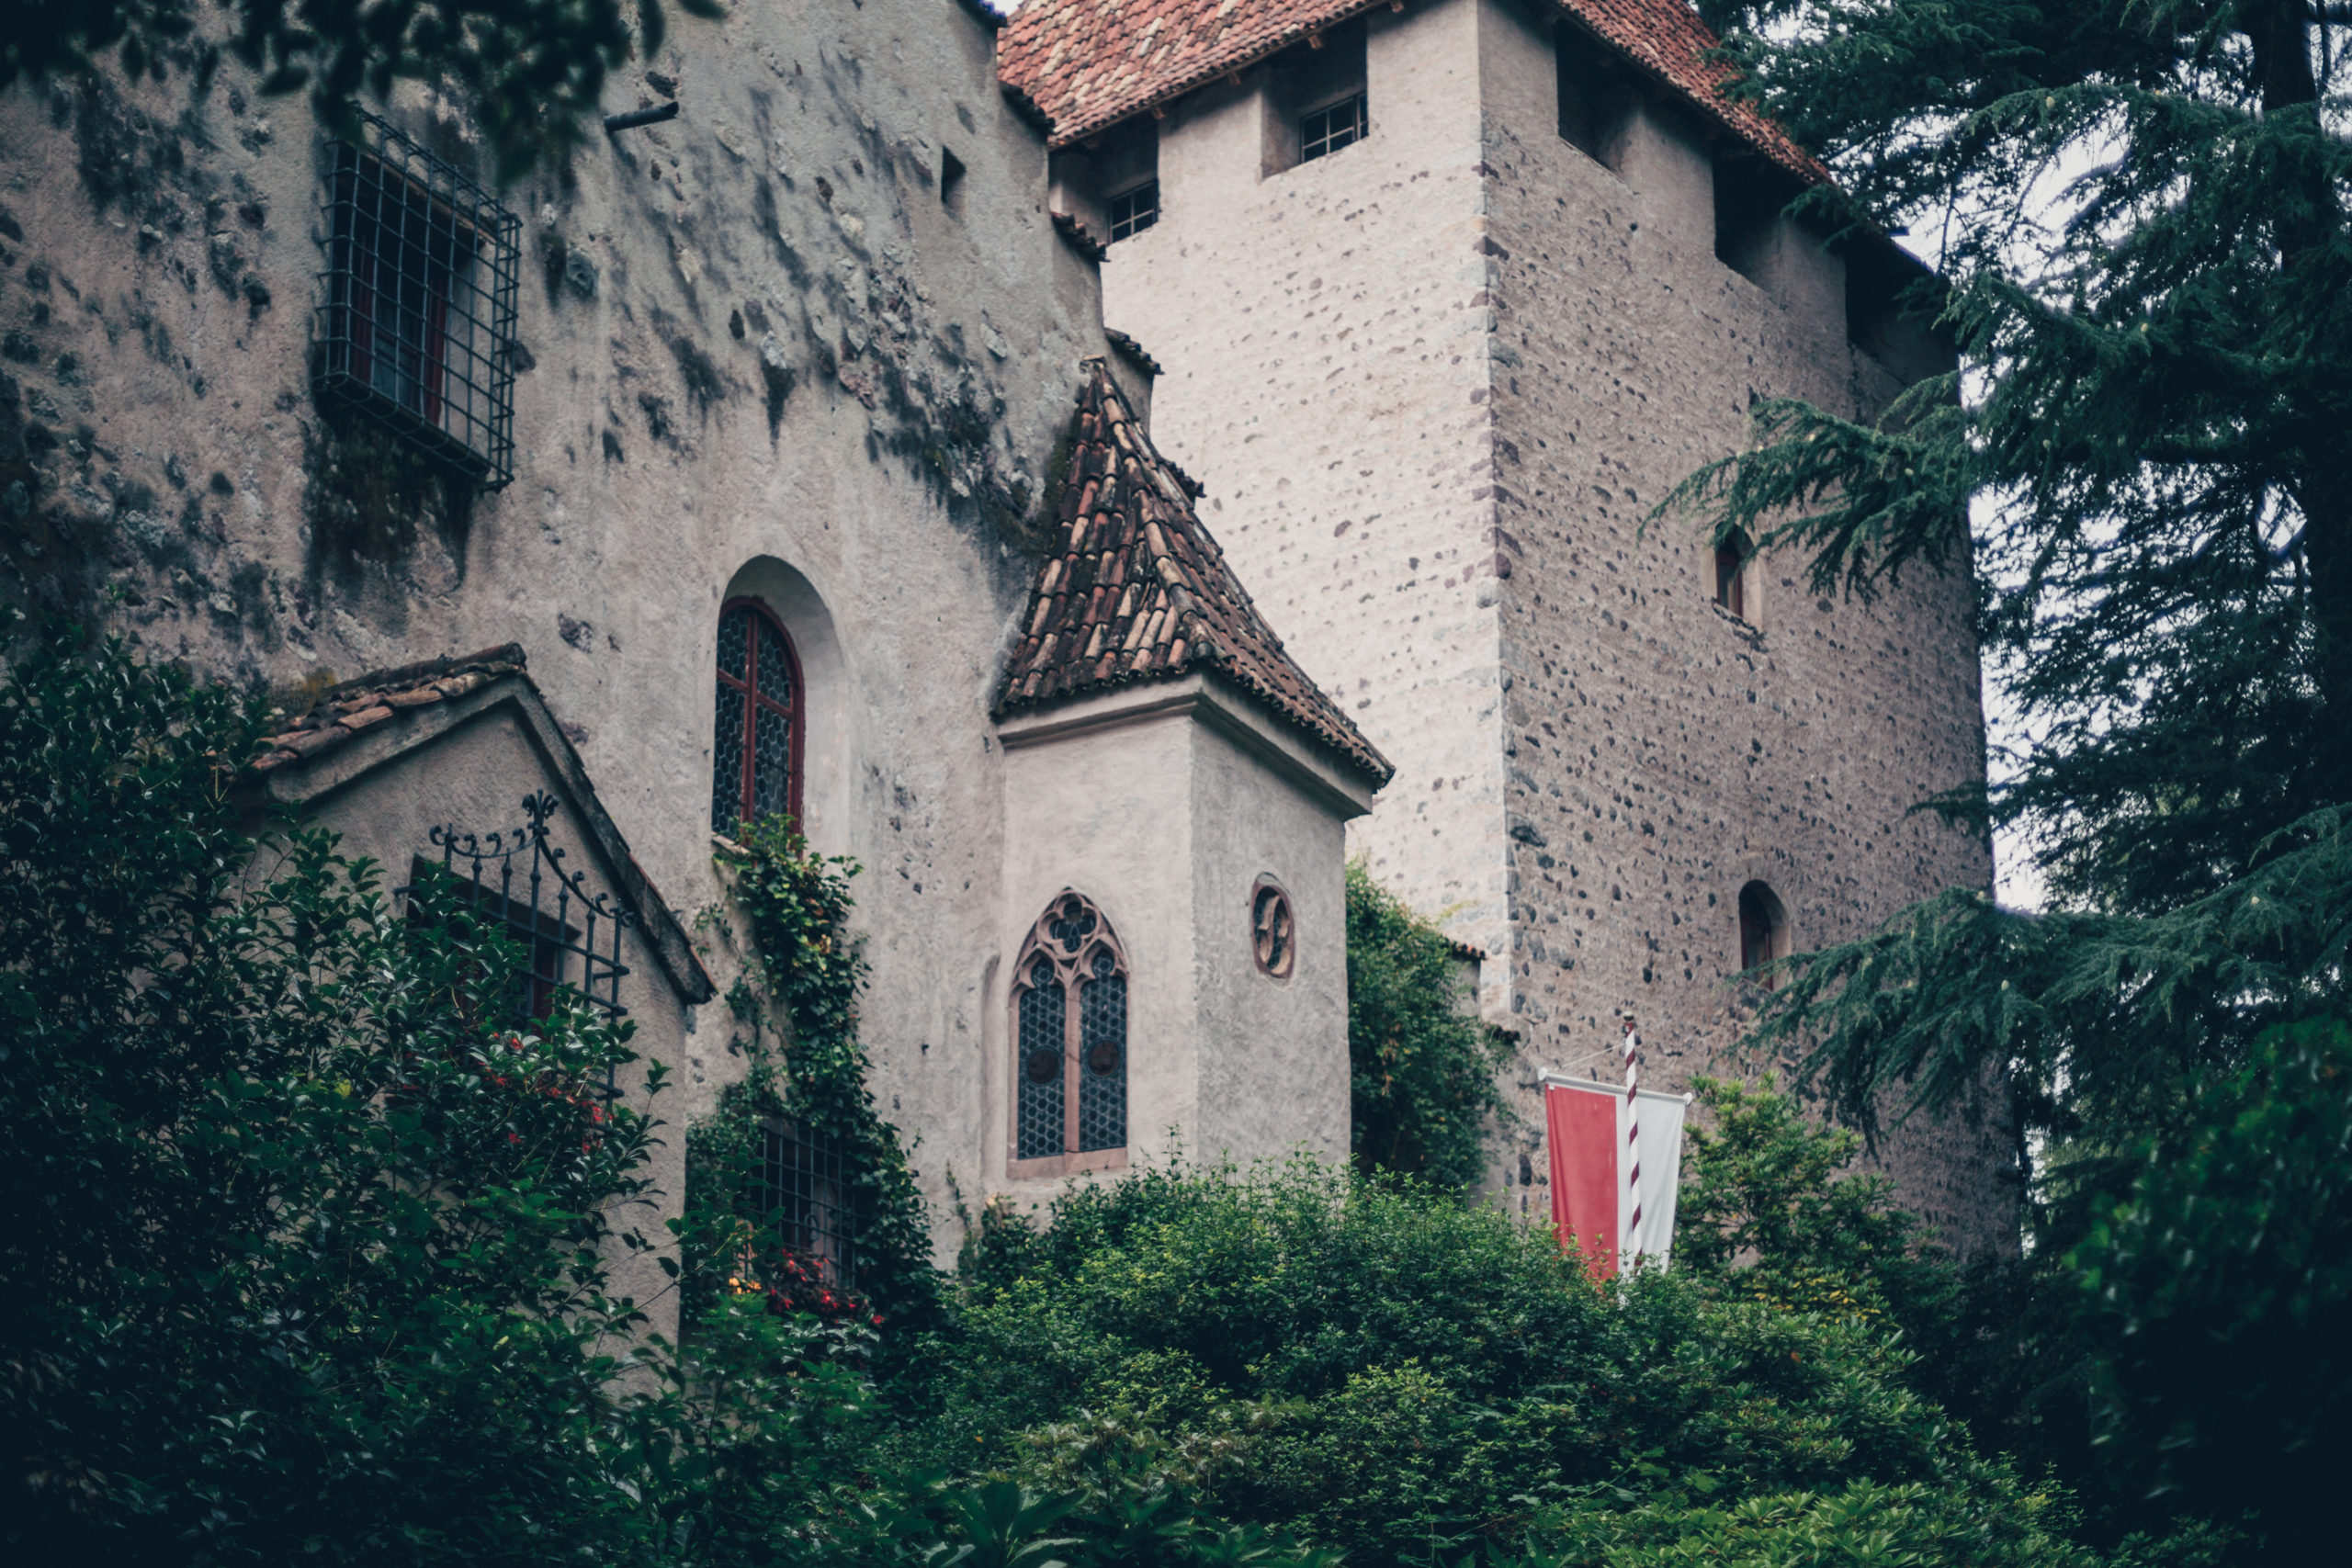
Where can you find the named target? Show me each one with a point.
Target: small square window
(416, 321)
(1134, 212)
(1327, 130)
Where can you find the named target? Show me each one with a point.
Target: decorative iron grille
(518, 878)
(416, 314)
(803, 1190)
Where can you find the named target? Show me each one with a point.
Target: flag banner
(1588, 1125)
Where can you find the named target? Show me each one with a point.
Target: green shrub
(1421, 1068)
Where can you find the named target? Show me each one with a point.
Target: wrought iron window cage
(569, 934)
(415, 321)
(804, 1191)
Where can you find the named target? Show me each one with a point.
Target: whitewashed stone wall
(1435, 383)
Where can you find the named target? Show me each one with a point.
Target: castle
(775, 454)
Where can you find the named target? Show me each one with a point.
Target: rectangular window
(416, 321)
(1326, 130)
(1597, 98)
(1134, 212)
(803, 1190)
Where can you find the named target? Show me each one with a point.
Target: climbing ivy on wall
(797, 1005)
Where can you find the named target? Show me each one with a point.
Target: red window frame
(795, 710)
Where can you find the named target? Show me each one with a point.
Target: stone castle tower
(1447, 295)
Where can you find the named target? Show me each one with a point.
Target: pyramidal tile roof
(1089, 64)
(1133, 589)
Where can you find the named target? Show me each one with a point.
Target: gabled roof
(1089, 64)
(1133, 589)
(411, 706)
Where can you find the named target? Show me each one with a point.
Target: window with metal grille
(755, 749)
(1326, 130)
(570, 935)
(1134, 212)
(1069, 1034)
(803, 1195)
(416, 314)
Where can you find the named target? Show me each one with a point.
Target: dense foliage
(1422, 1067)
(2139, 215)
(304, 1237)
(533, 70)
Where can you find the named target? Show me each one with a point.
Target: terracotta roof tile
(1135, 588)
(1090, 63)
(342, 711)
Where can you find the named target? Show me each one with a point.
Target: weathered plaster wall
(1472, 359)
(760, 350)
(1164, 803)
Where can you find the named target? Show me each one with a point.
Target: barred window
(1070, 1035)
(1134, 212)
(756, 748)
(416, 320)
(803, 1195)
(1326, 130)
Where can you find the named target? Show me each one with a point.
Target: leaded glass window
(755, 743)
(1069, 1014)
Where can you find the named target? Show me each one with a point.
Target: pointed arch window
(1069, 1043)
(755, 747)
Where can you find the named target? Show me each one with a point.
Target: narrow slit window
(951, 182)
(1069, 1033)
(1135, 210)
(1326, 130)
(1763, 926)
(756, 737)
(1731, 573)
(416, 325)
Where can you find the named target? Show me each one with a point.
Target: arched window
(1731, 572)
(1763, 926)
(756, 750)
(1069, 1043)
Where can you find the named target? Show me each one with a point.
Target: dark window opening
(951, 182)
(416, 323)
(1325, 130)
(1750, 196)
(806, 1199)
(1134, 212)
(1763, 926)
(756, 741)
(1597, 94)
(1731, 573)
(1891, 306)
(1070, 1017)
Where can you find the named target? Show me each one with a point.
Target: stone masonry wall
(1472, 359)
(756, 330)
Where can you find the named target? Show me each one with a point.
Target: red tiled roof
(1135, 588)
(1090, 63)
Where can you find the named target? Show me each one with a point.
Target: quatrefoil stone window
(1273, 934)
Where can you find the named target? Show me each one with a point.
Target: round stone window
(1273, 935)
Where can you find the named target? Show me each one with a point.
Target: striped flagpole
(1630, 1244)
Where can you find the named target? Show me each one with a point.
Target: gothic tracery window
(1069, 1040)
(755, 747)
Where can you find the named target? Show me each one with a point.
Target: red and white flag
(1616, 1161)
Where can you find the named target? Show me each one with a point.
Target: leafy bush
(1422, 1069)
(1390, 1372)
(305, 1241)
